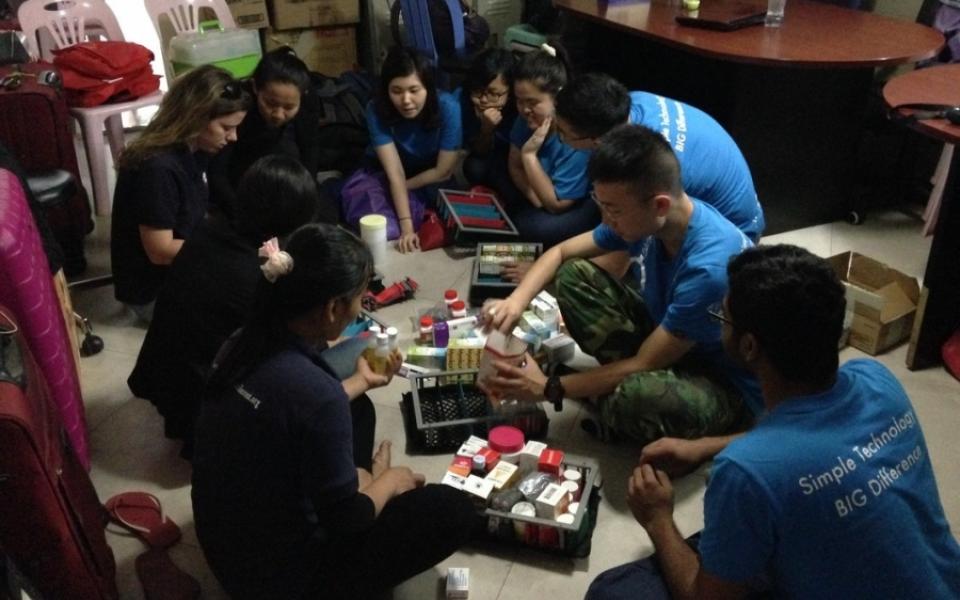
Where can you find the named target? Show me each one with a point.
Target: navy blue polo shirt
(274, 479)
(167, 191)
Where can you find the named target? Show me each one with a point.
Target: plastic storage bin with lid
(236, 50)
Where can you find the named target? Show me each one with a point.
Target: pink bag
(367, 193)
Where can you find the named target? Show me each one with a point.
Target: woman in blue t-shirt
(487, 113)
(281, 508)
(415, 136)
(550, 202)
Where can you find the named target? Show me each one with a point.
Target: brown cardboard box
(249, 14)
(327, 50)
(883, 301)
(298, 14)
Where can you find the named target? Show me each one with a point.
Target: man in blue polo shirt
(831, 495)
(712, 167)
(663, 371)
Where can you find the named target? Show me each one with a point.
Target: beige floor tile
(129, 451)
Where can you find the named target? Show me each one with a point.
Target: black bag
(11, 49)
(341, 104)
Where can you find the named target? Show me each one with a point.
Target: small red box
(461, 465)
(491, 456)
(550, 461)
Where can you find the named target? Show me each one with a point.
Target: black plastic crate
(443, 409)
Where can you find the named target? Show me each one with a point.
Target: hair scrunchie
(278, 263)
(549, 49)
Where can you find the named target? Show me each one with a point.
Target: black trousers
(364, 427)
(415, 531)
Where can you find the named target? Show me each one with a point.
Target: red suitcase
(52, 524)
(35, 127)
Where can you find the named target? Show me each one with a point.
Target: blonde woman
(161, 191)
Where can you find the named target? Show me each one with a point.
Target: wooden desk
(939, 312)
(794, 97)
(813, 34)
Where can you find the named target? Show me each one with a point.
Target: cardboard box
(329, 50)
(249, 14)
(297, 14)
(882, 300)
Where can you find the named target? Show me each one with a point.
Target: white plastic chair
(184, 17)
(69, 22)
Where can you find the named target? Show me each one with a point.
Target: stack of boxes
(322, 32)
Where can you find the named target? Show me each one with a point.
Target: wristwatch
(554, 392)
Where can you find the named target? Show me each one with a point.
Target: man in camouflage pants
(663, 379)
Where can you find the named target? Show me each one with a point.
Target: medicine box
(486, 281)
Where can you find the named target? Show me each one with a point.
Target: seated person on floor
(547, 191)
(488, 114)
(712, 167)
(830, 495)
(286, 121)
(662, 373)
(161, 193)
(415, 137)
(283, 506)
(210, 289)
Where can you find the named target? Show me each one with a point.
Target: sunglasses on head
(232, 90)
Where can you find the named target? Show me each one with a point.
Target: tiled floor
(130, 452)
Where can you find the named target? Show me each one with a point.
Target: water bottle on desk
(775, 9)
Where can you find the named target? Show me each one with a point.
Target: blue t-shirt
(833, 496)
(418, 146)
(565, 166)
(678, 291)
(712, 167)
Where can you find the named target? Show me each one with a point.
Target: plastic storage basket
(235, 50)
(546, 534)
(443, 409)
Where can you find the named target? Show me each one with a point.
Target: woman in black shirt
(286, 121)
(281, 510)
(161, 192)
(209, 290)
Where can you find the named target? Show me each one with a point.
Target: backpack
(341, 104)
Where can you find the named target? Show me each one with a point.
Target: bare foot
(381, 459)
(515, 271)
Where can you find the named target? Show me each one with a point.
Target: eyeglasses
(491, 96)
(606, 210)
(715, 311)
(232, 90)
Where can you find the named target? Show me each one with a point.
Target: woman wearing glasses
(161, 192)
(487, 114)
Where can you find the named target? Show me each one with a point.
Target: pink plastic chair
(69, 22)
(26, 287)
(184, 17)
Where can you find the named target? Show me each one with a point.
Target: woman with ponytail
(282, 508)
(550, 188)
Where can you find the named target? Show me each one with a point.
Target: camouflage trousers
(610, 321)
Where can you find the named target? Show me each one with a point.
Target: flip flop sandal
(162, 579)
(142, 514)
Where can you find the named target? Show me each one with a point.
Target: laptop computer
(723, 16)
